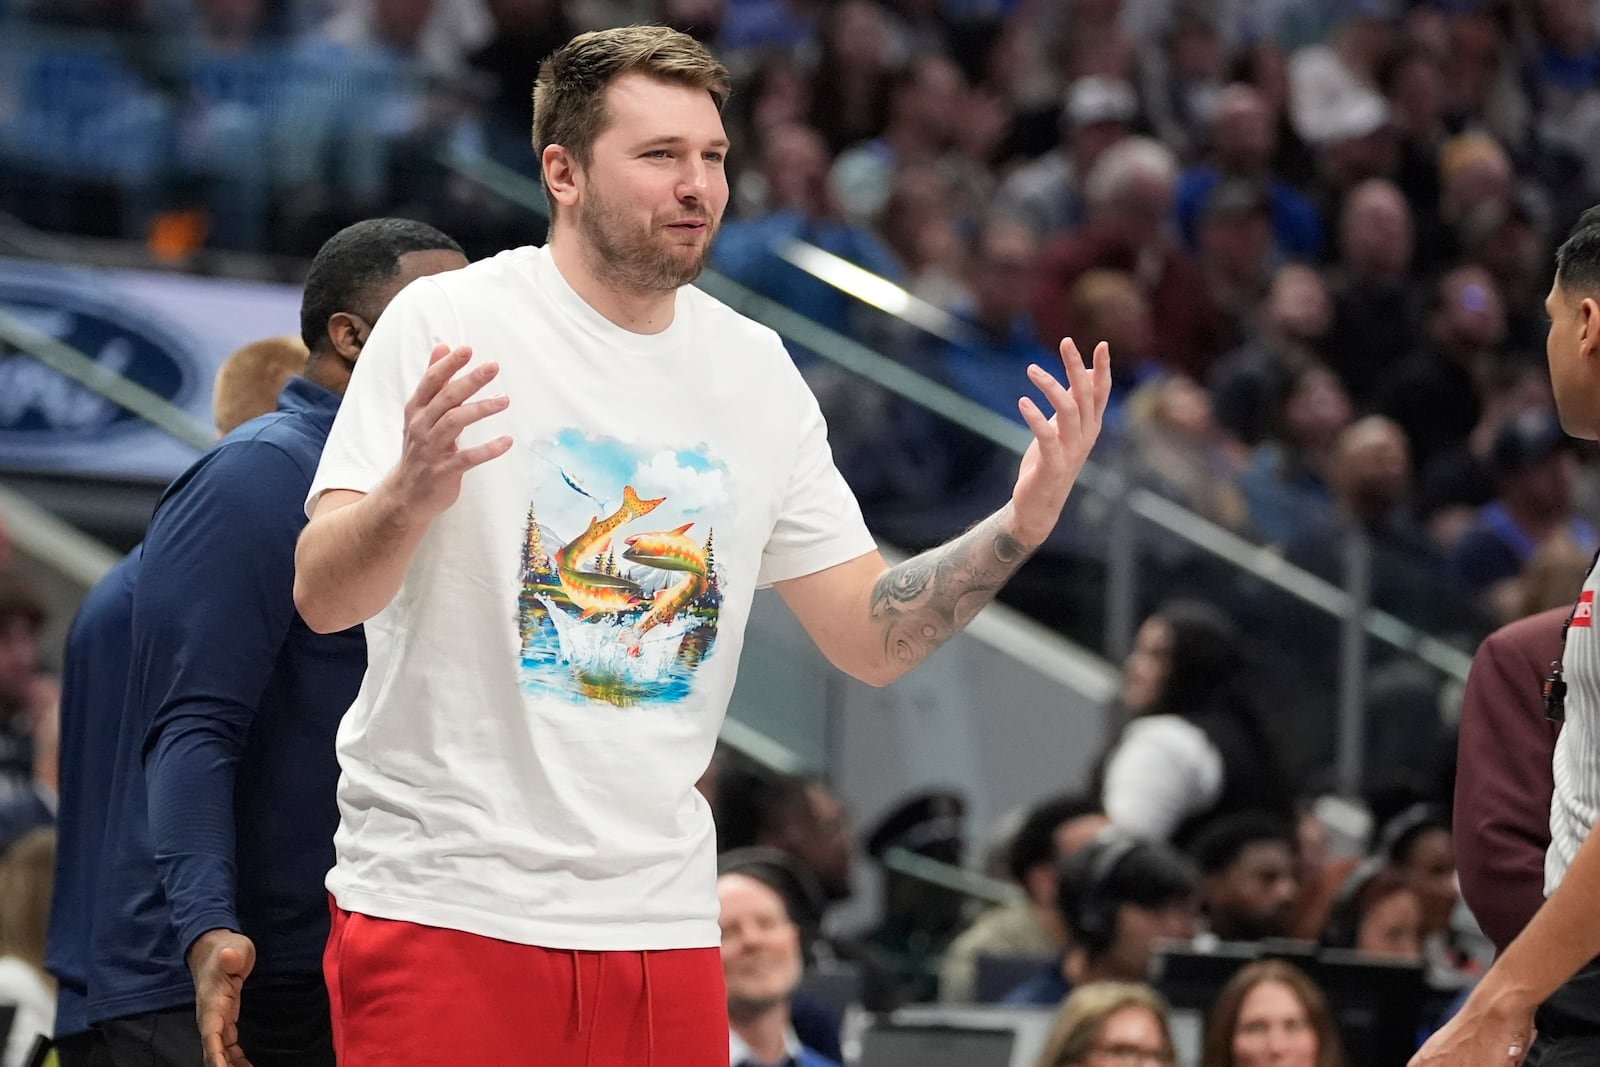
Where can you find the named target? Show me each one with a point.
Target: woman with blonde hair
(27, 871)
(1110, 1024)
(1270, 1014)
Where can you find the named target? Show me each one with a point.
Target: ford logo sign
(39, 405)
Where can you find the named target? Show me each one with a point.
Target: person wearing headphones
(1117, 896)
(1376, 913)
(1418, 845)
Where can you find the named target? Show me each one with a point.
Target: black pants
(287, 1025)
(83, 1050)
(154, 1039)
(279, 1026)
(1569, 1023)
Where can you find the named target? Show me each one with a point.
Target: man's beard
(638, 260)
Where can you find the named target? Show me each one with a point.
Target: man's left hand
(1061, 442)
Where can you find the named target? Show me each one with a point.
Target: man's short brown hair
(569, 96)
(249, 382)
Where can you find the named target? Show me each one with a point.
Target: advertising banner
(166, 332)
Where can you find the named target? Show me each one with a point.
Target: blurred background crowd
(1317, 236)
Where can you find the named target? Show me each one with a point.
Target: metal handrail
(959, 879)
(81, 559)
(1267, 565)
(873, 290)
(855, 357)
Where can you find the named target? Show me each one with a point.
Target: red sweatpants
(419, 996)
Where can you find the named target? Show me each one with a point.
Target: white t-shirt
(1163, 770)
(550, 680)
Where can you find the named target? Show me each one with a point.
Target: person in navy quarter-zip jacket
(93, 688)
(94, 685)
(226, 740)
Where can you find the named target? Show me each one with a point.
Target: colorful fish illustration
(668, 550)
(596, 593)
(589, 590)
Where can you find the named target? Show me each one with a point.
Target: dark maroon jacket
(1503, 775)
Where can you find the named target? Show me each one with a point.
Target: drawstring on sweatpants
(599, 994)
(599, 998)
(649, 1013)
(577, 992)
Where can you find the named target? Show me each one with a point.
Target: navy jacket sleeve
(213, 606)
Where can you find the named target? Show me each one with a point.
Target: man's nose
(692, 181)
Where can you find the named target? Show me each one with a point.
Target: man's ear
(1589, 329)
(347, 332)
(561, 174)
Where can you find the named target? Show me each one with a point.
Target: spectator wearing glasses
(1110, 1024)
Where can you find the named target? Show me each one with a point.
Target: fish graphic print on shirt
(620, 587)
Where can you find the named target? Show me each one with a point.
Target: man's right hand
(220, 961)
(1486, 1032)
(428, 477)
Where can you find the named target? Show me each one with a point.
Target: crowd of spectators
(1097, 902)
(1189, 837)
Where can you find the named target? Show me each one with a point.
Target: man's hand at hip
(220, 961)
(1481, 1035)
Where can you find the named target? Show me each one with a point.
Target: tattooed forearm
(922, 603)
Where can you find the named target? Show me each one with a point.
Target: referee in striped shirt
(1539, 1004)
